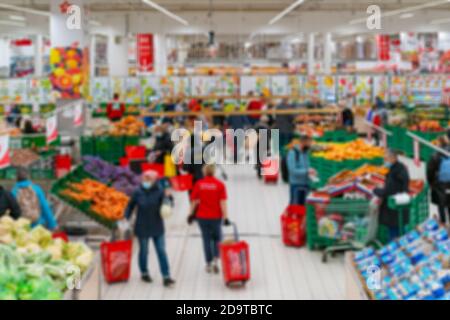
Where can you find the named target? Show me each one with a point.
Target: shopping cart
(235, 257)
(347, 224)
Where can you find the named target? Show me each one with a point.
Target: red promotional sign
(51, 129)
(145, 54)
(78, 115)
(4, 152)
(383, 44)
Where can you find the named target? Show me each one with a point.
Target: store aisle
(278, 272)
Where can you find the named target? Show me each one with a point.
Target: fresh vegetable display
(105, 201)
(33, 265)
(121, 179)
(354, 150)
(128, 126)
(427, 126)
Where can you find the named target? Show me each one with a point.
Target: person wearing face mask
(148, 200)
(397, 181)
(299, 170)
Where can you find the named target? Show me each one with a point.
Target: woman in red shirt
(115, 109)
(209, 208)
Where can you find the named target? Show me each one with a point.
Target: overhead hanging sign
(145, 54)
(4, 152)
(78, 115)
(51, 128)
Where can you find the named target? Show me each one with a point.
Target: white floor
(278, 272)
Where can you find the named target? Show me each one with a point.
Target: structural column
(160, 53)
(38, 55)
(311, 45)
(328, 47)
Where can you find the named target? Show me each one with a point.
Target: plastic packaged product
(406, 289)
(392, 294)
(444, 247)
(425, 273)
(381, 295)
(429, 225)
(417, 255)
(388, 259)
(444, 276)
(437, 289)
(425, 294)
(363, 254)
(441, 235)
(393, 246)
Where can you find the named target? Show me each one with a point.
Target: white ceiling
(244, 17)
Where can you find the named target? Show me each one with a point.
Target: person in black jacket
(440, 190)
(8, 204)
(163, 143)
(194, 158)
(397, 181)
(148, 199)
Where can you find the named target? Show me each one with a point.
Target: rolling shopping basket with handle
(270, 170)
(182, 182)
(293, 226)
(235, 257)
(116, 260)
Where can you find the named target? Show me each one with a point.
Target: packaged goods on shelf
(413, 267)
(33, 265)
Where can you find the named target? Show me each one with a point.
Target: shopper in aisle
(194, 157)
(396, 182)
(438, 177)
(299, 170)
(263, 143)
(115, 109)
(163, 142)
(32, 201)
(284, 123)
(8, 204)
(148, 199)
(347, 116)
(209, 208)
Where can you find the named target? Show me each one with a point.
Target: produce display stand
(354, 289)
(328, 168)
(90, 283)
(131, 109)
(109, 148)
(426, 149)
(78, 175)
(337, 136)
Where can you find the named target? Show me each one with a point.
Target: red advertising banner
(384, 46)
(4, 152)
(145, 55)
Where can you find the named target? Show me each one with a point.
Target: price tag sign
(51, 129)
(417, 153)
(5, 160)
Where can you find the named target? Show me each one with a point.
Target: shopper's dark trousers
(160, 246)
(211, 230)
(444, 214)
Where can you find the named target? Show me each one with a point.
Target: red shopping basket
(135, 152)
(293, 226)
(270, 170)
(60, 235)
(124, 162)
(182, 182)
(63, 164)
(235, 257)
(116, 260)
(153, 167)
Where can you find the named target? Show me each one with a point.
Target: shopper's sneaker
(146, 278)
(209, 268)
(168, 282)
(215, 268)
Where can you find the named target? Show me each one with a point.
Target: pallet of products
(34, 265)
(99, 201)
(413, 267)
(332, 158)
(340, 210)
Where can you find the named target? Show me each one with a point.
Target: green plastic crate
(87, 145)
(337, 136)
